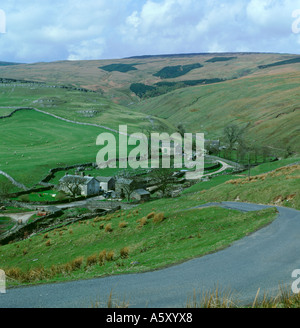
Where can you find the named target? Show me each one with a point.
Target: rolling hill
(203, 92)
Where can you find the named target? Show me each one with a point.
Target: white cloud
(87, 50)
(93, 29)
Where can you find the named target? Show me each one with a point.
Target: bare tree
(130, 184)
(164, 179)
(232, 133)
(72, 184)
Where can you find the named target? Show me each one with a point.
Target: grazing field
(128, 241)
(89, 107)
(32, 143)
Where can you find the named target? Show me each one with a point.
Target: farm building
(80, 185)
(106, 183)
(122, 185)
(140, 194)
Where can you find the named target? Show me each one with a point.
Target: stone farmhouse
(88, 186)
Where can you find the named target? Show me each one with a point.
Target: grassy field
(134, 241)
(75, 105)
(260, 169)
(279, 187)
(264, 100)
(32, 143)
(6, 223)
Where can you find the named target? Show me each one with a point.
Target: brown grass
(108, 228)
(102, 257)
(91, 260)
(110, 256)
(123, 224)
(77, 263)
(150, 215)
(124, 252)
(159, 217)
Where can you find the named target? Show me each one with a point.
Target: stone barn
(106, 183)
(141, 195)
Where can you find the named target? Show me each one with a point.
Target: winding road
(264, 259)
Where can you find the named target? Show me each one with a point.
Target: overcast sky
(50, 30)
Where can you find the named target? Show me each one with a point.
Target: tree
(72, 184)
(232, 134)
(130, 183)
(164, 179)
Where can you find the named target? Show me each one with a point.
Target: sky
(52, 30)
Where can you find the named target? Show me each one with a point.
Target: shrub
(159, 217)
(48, 242)
(25, 251)
(101, 227)
(24, 198)
(46, 236)
(124, 252)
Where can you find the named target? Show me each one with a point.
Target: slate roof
(104, 179)
(86, 179)
(124, 181)
(142, 192)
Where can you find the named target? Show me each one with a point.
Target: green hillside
(267, 104)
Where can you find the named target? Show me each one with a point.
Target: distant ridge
(197, 54)
(2, 63)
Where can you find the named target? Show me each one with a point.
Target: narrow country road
(265, 260)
